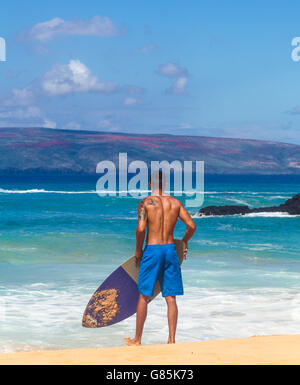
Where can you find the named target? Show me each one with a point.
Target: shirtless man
(159, 212)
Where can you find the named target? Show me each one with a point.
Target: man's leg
(172, 318)
(141, 315)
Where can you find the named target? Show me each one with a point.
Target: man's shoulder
(146, 200)
(176, 201)
(152, 200)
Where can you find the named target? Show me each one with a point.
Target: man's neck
(158, 192)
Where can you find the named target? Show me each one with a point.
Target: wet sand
(277, 349)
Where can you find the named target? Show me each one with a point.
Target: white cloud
(49, 124)
(25, 116)
(96, 26)
(18, 108)
(179, 87)
(171, 70)
(131, 102)
(21, 113)
(73, 77)
(20, 97)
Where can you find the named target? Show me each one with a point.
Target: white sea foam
(239, 201)
(275, 197)
(204, 313)
(42, 191)
(251, 215)
(201, 216)
(239, 245)
(229, 227)
(263, 246)
(250, 192)
(270, 215)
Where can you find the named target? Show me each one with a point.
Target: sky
(197, 67)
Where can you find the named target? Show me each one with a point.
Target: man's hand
(138, 256)
(185, 248)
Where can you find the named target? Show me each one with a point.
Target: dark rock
(291, 206)
(224, 210)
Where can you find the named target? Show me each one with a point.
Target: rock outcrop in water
(291, 206)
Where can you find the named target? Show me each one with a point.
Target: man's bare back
(160, 214)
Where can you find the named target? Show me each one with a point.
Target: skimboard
(116, 299)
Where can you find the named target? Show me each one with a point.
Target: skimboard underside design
(116, 299)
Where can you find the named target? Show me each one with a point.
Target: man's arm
(185, 217)
(140, 230)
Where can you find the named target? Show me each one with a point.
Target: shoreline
(255, 350)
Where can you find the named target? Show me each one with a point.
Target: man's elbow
(140, 230)
(193, 226)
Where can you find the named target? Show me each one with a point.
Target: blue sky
(213, 68)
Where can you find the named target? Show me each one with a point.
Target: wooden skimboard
(116, 299)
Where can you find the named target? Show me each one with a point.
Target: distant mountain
(29, 151)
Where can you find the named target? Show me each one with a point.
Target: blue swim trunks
(160, 263)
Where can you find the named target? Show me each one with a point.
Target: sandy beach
(274, 350)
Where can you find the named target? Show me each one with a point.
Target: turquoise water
(59, 241)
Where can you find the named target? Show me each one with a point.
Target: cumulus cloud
(19, 108)
(19, 104)
(96, 26)
(20, 97)
(25, 116)
(171, 70)
(131, 102)
(73, 77)
(179, 86)
(21, 113)
(28, 106)
(49, 124)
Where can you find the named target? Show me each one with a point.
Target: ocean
(59, 240)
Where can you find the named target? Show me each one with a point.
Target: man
(159, 212)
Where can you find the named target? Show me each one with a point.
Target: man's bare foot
(171, 341)
(131, 341)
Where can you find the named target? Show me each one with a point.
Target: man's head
(158, 181)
